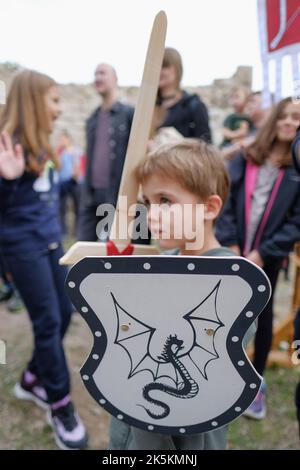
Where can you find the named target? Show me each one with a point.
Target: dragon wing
(205, 323)
(134, 337)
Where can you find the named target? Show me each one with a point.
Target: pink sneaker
(258, 408)
(30, 388)
(69, 432)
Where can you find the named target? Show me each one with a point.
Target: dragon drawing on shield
(173, 361)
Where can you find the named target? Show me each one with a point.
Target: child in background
(261, 219)
(255, 111)
(190, 172)
(237, 125)
(30, 243)
(70, 177)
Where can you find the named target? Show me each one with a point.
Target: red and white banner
(279, 24)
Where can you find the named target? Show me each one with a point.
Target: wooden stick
(136, 150)
(82, 249)
(141, 125)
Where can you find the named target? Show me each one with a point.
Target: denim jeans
(40, 281)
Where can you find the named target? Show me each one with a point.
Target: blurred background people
(261, 218)
(71, 176)
(238, 124)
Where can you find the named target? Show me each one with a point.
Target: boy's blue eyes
(163, 200)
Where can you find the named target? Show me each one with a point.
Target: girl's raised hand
(12, 162)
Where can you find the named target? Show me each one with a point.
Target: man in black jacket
(107, 132)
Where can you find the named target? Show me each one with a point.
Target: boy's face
(175, 215)
(253, 106)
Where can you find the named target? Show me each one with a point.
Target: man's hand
(255, 257)
(12, 163)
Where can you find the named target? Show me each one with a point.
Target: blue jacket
(282, 228)
(29, 212)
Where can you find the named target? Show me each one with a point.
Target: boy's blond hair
(194, 164)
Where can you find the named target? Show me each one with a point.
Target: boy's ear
(212, 207)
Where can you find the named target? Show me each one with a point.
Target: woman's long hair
(171, 58)
(26, 119)
(260, 150)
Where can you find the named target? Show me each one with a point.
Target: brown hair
(25, 116)
(196, 165)
(260, 150)
(171, 58)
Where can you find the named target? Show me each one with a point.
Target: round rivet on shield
(253, 385)
(191, 266)
(235, 267)
(102, 401)
(214, 423)
(120, 417)
(261, 288)
(147, 266)
(237, 409)
(210, 331)
(124, 327)
(95, 356)
(98, 334)
(182, 430)
(249, 314)
(85, 377)
(71, 284)
(150, 427)
(84, 309)
(241, 363)
(234, 339)
(107, 266)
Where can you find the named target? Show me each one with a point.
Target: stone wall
(78, 101)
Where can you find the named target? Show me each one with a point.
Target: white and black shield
(168, 332)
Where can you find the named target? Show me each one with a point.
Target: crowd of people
(249, 185)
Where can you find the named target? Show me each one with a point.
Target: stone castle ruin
(78, 101)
